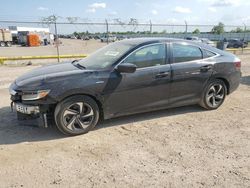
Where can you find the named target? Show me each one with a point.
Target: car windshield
(106, 56)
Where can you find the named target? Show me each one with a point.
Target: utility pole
(245, 29)
(57, 42)
(107, 30)
(186, 29)
(52, 20)
(150, 27)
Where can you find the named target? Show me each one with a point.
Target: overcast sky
(164, 11)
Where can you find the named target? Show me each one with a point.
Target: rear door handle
(206, 68)
(162, 75)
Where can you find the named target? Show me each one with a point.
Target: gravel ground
(181, 147)
(68, 46)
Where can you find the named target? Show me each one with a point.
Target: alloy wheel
(215, 95)
(78, 116)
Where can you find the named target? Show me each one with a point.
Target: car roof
(151, 40)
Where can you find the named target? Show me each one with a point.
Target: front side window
(182, 53)
(148, 56)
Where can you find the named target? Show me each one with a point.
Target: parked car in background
(203, 40)
(108, 38)
(97, 37)
(237, 43)
(85, 37)
(126, 77)
(195, 39)
(209, 42)
(122, 37)
(73, 37)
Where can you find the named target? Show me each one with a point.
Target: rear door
(191, 69)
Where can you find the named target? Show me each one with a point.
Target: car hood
(48, 73)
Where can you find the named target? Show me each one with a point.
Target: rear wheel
(76, 115)
(8, 44)
(214, 95)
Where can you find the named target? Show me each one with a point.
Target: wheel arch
(225, 81)
(98, 101)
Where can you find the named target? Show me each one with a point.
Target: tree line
(217, 29)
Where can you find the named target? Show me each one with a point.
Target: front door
(145, 89)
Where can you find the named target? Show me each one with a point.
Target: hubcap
(215, 95)
(78, 116)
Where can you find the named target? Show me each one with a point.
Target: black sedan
(126, 77)
(236, 43)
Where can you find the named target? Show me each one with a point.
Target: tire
(8, 44)
(213, 95)
(2, 44)
(72, 121)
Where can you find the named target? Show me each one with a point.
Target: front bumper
(30, 115)
(27, 109)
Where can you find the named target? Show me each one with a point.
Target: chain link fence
(72, 37)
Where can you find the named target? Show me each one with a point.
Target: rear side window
(182, 53)
(208, 53)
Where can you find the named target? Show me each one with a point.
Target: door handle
(206, 68)
(162, 75)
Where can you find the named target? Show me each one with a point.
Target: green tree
(196, 31)
(239, 30)
(164, 31)
(218, 29)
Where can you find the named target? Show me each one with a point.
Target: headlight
(34, 95)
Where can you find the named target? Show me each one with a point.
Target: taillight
(237, 65)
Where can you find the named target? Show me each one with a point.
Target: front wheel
(2, 44)
(76, 115)
(214, 95)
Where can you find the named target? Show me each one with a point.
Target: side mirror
(126, 68)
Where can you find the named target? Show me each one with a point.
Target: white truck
(5, 38)
(108, 38)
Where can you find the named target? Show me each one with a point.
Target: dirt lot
(182, 147)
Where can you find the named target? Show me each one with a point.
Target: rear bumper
(234, 81)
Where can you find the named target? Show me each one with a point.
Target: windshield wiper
(78, 64)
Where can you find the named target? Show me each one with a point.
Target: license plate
(22, 108)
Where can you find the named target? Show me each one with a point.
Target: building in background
(20, 34)
(16, 29)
